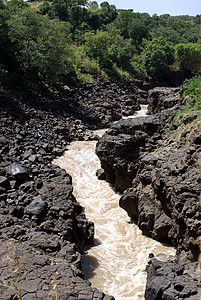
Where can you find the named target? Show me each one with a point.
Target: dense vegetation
(43, 42)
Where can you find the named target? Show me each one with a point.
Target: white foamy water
(140, 113)
(116, 265)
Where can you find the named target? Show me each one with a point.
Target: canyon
(44, 230)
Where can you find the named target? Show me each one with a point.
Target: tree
(100, 18)
(92, 5)
(41, 46)
(157, 56)
(109, 47)
(133, 25)
(73, 11)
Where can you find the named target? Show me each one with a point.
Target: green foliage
(176, 29)
(87, 69)
(80, 32)
(157, 56)
(92, 5)
(188, 56)
(132, 25)
(191, 88)
(59, 38)
(108, 47)
(190, 111)
(100, 18)
(72, 11)
(14, 5)
(41, 46)
(180, 29)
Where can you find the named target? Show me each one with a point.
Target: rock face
(121, 147)
(161, 98)
(172, 280)
(160, 178)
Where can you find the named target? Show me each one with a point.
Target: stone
(4, 183)
(20, 173)
(37, 207)
(100, 174)
(168, 280)
(160, 180)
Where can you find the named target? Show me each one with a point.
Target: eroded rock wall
(162, 176)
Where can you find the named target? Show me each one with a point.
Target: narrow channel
(116, 265)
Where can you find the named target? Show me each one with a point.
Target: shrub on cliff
(191, 110)
(157, 56)
(192, 89)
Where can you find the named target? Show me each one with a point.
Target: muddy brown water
(116, 265)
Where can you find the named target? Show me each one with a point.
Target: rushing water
(116, 265)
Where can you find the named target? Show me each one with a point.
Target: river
(116, 264)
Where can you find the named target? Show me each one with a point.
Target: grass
(191, 110)
(186, 118)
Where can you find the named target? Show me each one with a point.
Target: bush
(188, 56)
(157, 56)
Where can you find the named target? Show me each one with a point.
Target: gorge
(44, 230)
(117, 262)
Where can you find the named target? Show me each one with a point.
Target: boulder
(19, 172)
(120, 148)
(37, 207)
(161, 98)
(100, 174)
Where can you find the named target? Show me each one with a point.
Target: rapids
(116, 264)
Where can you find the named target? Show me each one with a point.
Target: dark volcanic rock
(120, 148)
(172, 280)
(37, 207)
(162, 98)
(4, 183)
(163, 178)
(40, 276)
(19, 172)
(100, 174)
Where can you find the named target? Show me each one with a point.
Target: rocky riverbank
(43, 228)
(159, 174)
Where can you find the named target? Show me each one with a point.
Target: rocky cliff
(159, 175)
(162, 175)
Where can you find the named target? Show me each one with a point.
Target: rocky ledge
(172, 280)
(161, 98)
(160, 178)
